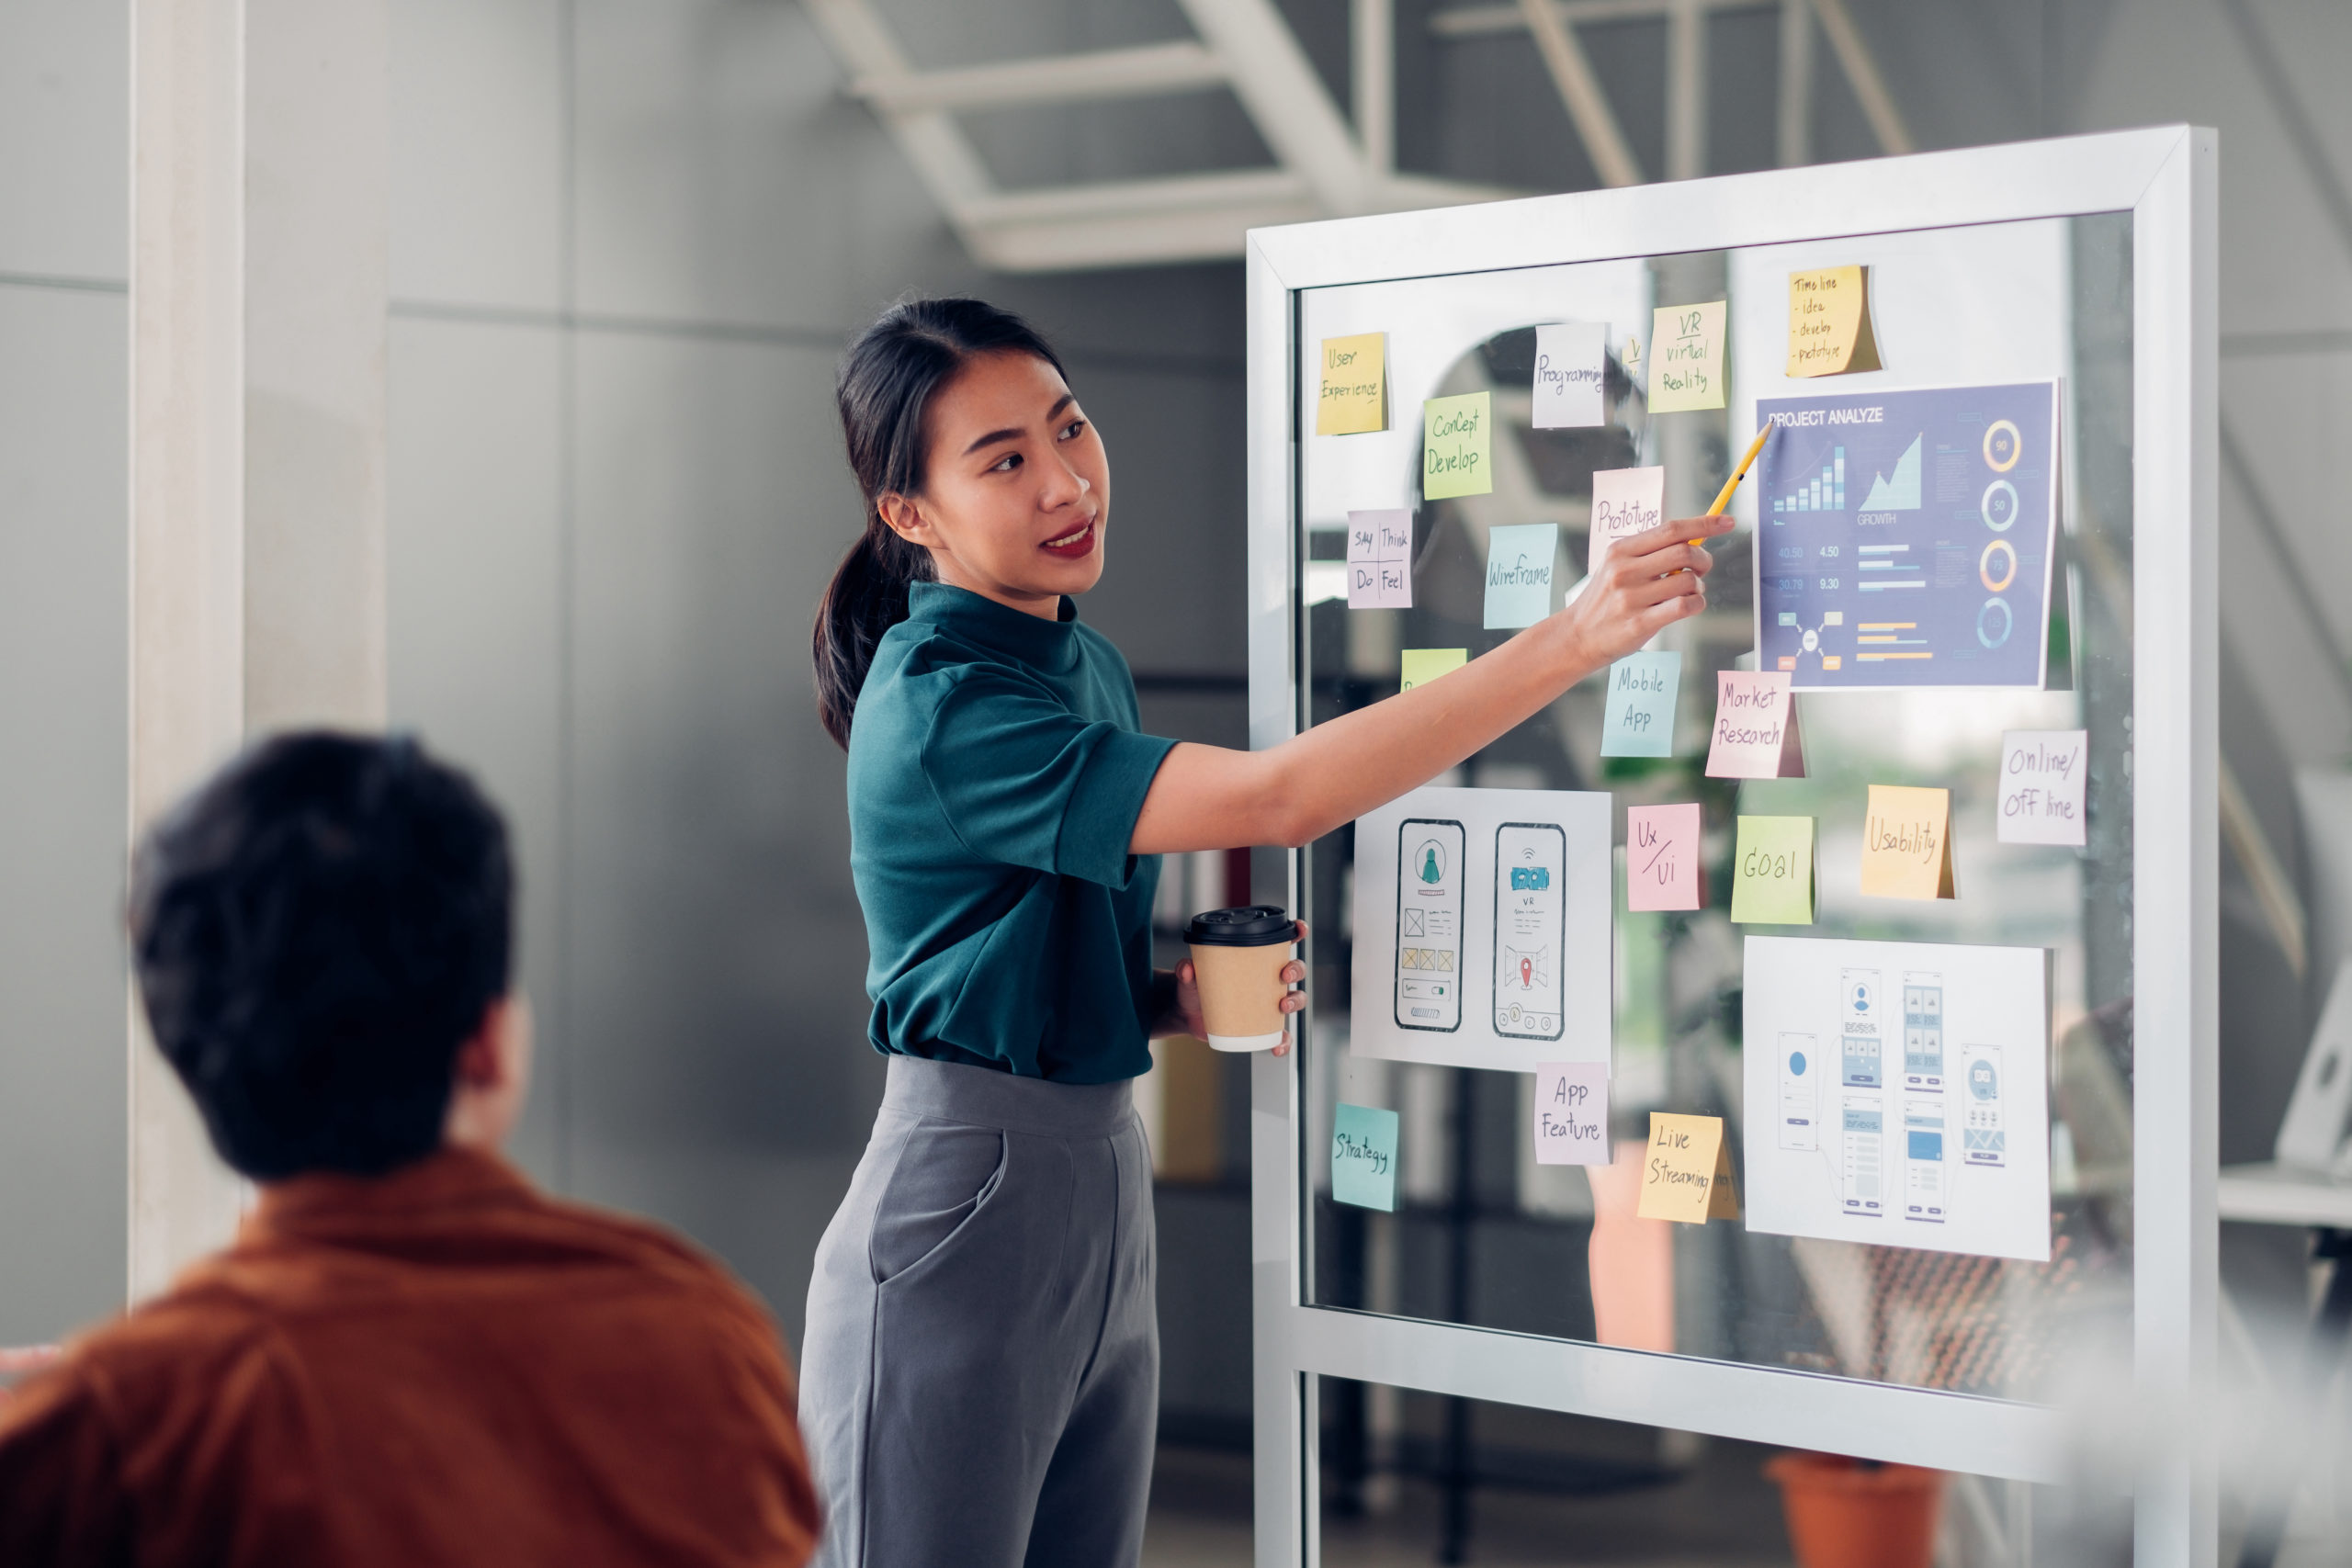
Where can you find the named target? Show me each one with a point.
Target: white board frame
(2165, 178)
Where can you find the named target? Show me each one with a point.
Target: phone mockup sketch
(1923, 1032)
(1429, 925)
(1531, 924)
(1800, 1092)
(1865, 1156)
(1862, 1028)
(1983, 1134)
(1923, 1160)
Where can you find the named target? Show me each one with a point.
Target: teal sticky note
(1519, 573)
(1639, 720)
(1363, 1158)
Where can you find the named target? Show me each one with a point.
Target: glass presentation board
(1955, 1144)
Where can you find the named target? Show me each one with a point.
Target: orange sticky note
(1662, 857)
(1906, 843)
(1756, 726)
(1686, 1171)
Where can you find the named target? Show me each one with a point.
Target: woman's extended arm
(1207, 797)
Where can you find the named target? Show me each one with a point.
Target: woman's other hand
(1188, 996)
(1647, 581)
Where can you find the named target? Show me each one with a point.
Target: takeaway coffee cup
(1237, 959)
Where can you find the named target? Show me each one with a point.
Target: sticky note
(1772, 872)
(1380, 560)
(1829, 321)
(1686, 1174)
(1519, 573)
(1363, 1158)
(1639, 718)
(1455, 448)
(1687, 357)
(1572, 1113)
(1354, 397)
(1755, 728)
(2040, 793)
(1422, 665)
(1662, 857)
(1568, 358)
(1906, 843)
(1625, 501)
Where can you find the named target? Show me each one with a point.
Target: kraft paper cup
(1238, 956)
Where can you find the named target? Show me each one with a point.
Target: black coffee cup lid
(1253, 925)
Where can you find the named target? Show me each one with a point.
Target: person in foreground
(983, 1349)
(408, 1356)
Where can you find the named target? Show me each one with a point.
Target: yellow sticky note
(1454, 449)
(1772, 872)
(1685, 1173)
(1423, 665)
(1354, 398)
(1829, 321)
(1906, 843)
(1687, 357)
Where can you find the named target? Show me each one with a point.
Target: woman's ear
(904, 517)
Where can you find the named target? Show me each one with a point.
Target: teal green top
(995, 775)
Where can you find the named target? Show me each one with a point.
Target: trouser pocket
(945, 1172)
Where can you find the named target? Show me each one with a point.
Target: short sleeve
(1023, 780)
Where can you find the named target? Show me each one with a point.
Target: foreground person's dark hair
(315, 931)
(883, 388)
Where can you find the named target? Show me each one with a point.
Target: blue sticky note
(1519, 573)
(1639, 721)
(1363, 1158)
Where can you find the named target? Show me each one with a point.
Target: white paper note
(1624, 502)
(2041, 795)
(1568, 364)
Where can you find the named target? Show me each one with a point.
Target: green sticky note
(1423, 665)
(1454, 449)
(1363, 1158)
(1772, 872)
(1639, 719)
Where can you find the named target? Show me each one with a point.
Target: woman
(981, 1355)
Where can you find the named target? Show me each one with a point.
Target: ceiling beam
(1056, 79)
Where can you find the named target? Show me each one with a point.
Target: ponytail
(883, 391)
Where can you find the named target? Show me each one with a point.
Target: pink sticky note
(1625, 501)
(1380, 560)
(1662, 857)
(1755, 728)
(1572, 1113)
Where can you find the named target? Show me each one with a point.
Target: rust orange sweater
(441, 1366)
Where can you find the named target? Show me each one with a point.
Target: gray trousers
(980, 1367)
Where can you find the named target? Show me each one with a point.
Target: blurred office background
(628, 239)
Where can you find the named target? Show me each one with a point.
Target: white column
(257, 433)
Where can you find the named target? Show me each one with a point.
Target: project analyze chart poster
(1482, 929)
(1903, 538)
(1896, 1092)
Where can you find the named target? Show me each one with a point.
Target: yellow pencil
(1723, 497)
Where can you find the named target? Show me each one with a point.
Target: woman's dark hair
(316, 931)
(884, 389)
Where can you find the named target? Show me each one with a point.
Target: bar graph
(1825, 491)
